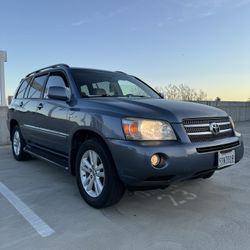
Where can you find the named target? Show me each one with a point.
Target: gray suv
(113, 132)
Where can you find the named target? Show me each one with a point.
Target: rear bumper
(183, 160)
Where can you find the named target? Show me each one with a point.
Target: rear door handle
(40, 106)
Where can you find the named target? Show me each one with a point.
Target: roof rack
(120, 72)
(61, 65)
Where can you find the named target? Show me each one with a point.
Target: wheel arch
(77, 139)
(13, 123)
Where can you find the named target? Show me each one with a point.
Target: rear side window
(36, 87)
(54, 81)
(22, 89)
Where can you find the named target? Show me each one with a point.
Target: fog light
(155, 160)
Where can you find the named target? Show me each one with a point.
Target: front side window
(36, 87)
(54, 81)
(92, 83)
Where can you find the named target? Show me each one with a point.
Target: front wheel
(97, 179)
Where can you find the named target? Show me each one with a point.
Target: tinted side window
(36, 87)
(22, 89)
(54, 81)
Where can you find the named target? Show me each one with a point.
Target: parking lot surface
(41, 208)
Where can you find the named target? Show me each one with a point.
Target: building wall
(240, 111)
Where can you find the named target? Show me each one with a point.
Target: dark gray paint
(103, 115)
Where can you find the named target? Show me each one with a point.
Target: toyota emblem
(214, 128)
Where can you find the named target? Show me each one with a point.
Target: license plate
(226, 159)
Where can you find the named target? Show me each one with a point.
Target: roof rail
(61, 65)
(121, 72)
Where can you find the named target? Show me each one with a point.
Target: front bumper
(183, 161)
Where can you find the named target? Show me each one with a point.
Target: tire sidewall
(108, 167)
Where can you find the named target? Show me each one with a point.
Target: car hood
(151, 108)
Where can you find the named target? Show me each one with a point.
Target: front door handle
(21, 104)
(40, 106)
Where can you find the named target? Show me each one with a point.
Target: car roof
(65, 66)
(96, 70)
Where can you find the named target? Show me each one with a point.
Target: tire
(97, 179)
(18, 144)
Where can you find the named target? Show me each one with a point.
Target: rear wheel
(18, 145)
(97, 179)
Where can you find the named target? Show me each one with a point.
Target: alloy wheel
(16, 143)
(92, 173)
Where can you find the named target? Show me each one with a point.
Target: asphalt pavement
(41, 208)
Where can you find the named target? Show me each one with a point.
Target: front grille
(198, 129)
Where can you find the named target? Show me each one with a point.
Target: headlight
(142, 129)
(232, 122)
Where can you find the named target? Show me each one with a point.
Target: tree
(181, 92)
(217, 99)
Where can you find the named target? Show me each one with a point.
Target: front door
(53, 117)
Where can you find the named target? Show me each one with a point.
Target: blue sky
(204, 44)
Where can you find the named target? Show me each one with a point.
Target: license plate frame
(226, 159)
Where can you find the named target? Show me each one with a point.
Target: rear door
(30, 118)
(17, 107)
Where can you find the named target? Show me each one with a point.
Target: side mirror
(59, 93)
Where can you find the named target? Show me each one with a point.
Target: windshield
(94, 83)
